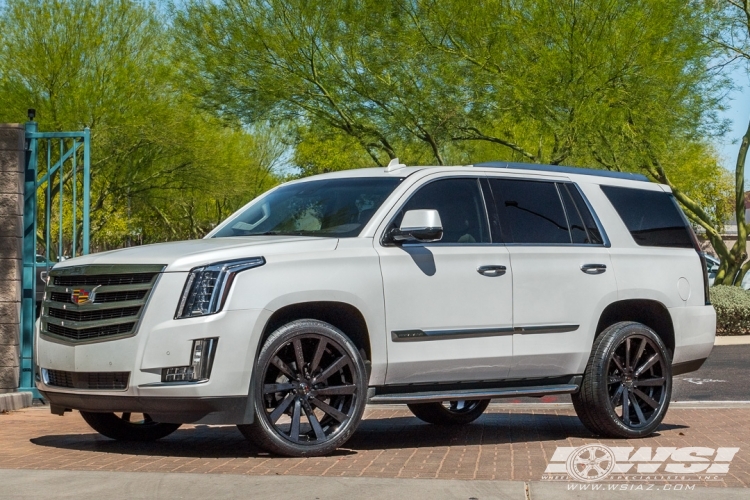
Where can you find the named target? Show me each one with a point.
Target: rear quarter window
(653, 217)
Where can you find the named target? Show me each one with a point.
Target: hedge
(732, 305)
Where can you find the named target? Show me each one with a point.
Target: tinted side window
(583, 228)
(530, 211)
(460, 205)
(652, 217)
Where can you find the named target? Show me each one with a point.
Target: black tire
(310, 370)
(449, 412)
(630, 368)
(121, 428)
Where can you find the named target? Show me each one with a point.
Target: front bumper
(208, 410)
(162, 342)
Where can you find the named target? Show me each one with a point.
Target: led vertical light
(202, 360)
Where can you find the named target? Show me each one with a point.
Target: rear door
(562, 276)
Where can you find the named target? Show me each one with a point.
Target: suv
(439, 288)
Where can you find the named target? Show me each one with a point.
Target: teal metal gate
(57, 186)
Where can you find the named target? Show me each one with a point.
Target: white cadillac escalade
(439, 288)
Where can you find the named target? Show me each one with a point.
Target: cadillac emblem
(81, 296)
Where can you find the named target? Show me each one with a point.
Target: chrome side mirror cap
(422, 226)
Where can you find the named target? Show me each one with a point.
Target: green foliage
(732, 306)
(162, 168)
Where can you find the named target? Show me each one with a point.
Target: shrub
(732, 305)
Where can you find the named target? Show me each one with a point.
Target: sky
(738, 113)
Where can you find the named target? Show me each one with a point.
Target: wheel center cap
(304, 388)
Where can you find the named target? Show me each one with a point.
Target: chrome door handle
(491, 270)
(593, 268)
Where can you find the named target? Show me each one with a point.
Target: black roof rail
(564, 170)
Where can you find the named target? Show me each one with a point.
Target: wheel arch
(342, 315)
(649, 312)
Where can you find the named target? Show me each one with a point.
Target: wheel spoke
(272, 388)
(318, 355)
(618, 363)
(638, 355)
(648, 364)
(613, 379)
(627, 353)
(616, 396)
(296, 417)
(331, 369)
(299, 355)
(638, 411)
(126, 416)
(625, 405)
(330, 410)
(646, 398)
(147, 419)
(285, 369)
(649, 382)
(276, 414)
(319, 434)
(337, 390)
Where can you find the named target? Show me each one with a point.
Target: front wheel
(627, 384)
(309, 392)
(128, 426)
(449, 412)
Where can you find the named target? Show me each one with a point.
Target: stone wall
(11, 238)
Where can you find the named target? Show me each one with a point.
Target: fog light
(200, 369)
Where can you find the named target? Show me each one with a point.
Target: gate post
(12, 166)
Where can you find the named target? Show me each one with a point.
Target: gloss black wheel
(309, 391)
(627, 384)
(449, 412)
(127, 426)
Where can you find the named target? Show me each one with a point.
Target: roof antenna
(394, 165)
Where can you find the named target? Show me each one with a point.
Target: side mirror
(419, 225)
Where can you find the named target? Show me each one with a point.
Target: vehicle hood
(185, 255)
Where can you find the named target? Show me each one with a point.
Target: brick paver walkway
(504, 444)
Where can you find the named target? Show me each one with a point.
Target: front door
(448, 315)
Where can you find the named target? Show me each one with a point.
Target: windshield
(336, 208)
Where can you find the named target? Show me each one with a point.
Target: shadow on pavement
(204, 441)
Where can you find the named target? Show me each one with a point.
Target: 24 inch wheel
(309, 390)
(627, 384)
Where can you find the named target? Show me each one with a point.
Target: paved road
(725, 376)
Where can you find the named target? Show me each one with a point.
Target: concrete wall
(11, 237)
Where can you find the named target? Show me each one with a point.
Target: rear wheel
(627, 384)
(310, 390)
(449, 412)
(128, 426)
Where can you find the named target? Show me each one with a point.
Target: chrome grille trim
(120, 294)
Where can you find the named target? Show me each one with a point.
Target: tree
(161, 167)
(624, 86)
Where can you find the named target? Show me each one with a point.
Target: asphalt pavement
(725, 376)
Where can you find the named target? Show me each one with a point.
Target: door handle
(593, 268)
(491, 270)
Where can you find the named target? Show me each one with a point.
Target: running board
(473, 394)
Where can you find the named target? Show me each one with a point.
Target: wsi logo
(595, 462)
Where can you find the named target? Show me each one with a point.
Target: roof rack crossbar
(564, 170)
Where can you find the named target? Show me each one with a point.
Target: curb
(15, 401)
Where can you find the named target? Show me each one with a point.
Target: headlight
(207, 287)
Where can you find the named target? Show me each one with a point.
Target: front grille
(97, 302)
(105, 280)
(73, 315)
(87, 380)
(89, 333)
(102, 298)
